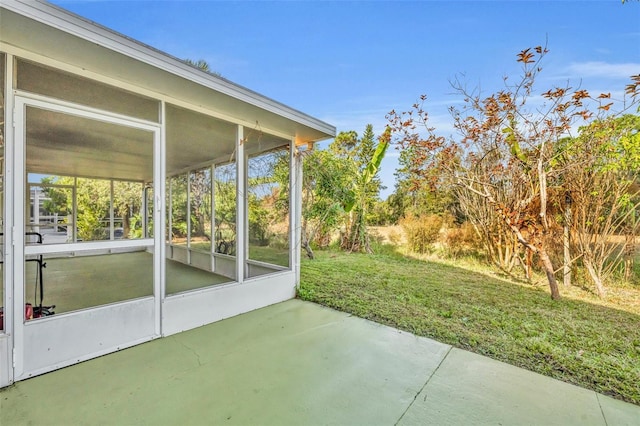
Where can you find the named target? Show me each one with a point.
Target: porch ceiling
(68, 145)
(194, 138)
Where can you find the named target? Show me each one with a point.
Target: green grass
(577, 339)
(268, 254)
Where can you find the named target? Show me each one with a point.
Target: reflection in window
(268, 209)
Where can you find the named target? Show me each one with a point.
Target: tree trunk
(306, 236)
(356, 238)
(629, 250)
(126, 223)
(307, 247)
(628, 267)
(595, 277)
(528, 264)
(548, 269)
(541, 251)
(566, 240)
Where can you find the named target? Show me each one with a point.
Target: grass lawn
(578, 339)
(267, 254)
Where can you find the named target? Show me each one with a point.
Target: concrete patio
(298, 363)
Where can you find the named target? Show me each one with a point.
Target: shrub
(322, 239)
(421, 232)
(395, 238)
(462, 240)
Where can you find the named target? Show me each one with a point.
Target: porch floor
(299, 363)
(73, 283)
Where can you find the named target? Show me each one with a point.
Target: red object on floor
(28, 314)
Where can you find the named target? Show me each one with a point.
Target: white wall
(190, 310)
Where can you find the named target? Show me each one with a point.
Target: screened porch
(89, 198)
(139, 196)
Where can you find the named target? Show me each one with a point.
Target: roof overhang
(52, 32)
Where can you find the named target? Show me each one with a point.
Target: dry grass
(393, 234)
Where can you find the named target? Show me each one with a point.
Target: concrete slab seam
(424, 386)
(604, 417)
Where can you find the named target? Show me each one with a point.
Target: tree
(507, 152)
(365, 158)
(225, 208)
(415, 192)
(127, 204)
(325, 191)
(200, 203)
(601, 166)
(179, 215)
(340, 187)
(202, 65)
(268, 197)
(93, 204)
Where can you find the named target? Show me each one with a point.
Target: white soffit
(56, 33)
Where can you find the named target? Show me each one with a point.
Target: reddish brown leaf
(525, 56)
(581, 94)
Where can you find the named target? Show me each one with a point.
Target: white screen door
(82, 241)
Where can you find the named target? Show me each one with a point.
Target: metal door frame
(16, 243)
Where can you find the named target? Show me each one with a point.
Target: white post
(14, 319)
(8, 225)
(212, 185)
(70, 226)
(170, 212)
(144, 211)
(296, 200)
(188, 216)
(241, 206)
(36, 209)
(112, 231)
(159, 218)
(74, 206)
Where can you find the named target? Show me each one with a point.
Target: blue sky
(350, 63)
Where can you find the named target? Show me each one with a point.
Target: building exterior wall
(31, 347)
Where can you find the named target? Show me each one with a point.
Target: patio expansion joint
(424, 386)
(604, 417)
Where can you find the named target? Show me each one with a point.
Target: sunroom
(140, 196)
